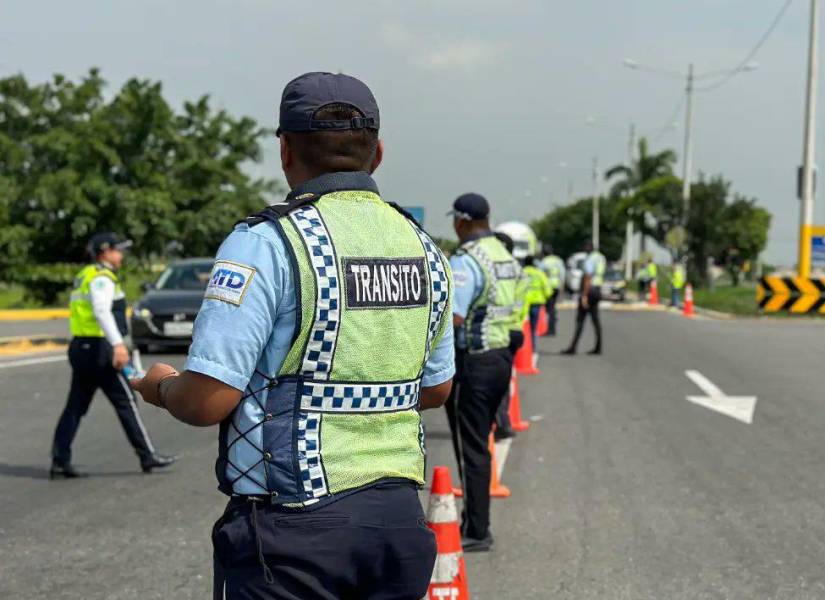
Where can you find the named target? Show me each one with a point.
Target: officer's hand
(585, 301)
(120, 356)
(148, 386)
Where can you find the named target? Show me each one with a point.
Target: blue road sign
(417, 212)
(818, 250)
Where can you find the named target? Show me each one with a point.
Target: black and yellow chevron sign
(795, 294)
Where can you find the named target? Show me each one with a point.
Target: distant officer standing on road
(553, 266)
(324, 331)
(98, 353)
(677, 282)
(538, 292)
(595, 266)
(486, 276)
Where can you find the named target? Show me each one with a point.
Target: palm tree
(631, 178)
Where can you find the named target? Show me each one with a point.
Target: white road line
(32, 361)
(502, 451)
(740, 408)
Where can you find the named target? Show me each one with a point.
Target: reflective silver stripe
(359, 397)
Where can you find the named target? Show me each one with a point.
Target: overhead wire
(749, 56)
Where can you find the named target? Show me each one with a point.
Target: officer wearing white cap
(485, 276)
(98, 353)
(324, 331)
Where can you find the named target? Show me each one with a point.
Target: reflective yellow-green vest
(82, 321)
(652, 270)
(553, 266)
(599, 266)
(374, 300)
(677, 278)
(492, 313)
(538, 287)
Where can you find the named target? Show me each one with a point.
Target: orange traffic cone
(542, 327)
(497, 489)
(654, 293)
(688, 308)
(516, 421)
(449, 579)
(524, 357)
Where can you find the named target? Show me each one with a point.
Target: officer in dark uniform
(484, 316)
(98, 353)
(324, 331)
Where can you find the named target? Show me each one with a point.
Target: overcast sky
(482, 95)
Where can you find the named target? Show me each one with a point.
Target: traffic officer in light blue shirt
(303, 354)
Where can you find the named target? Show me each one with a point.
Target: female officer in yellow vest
(538, 293)
(324, 330)
(98, 354)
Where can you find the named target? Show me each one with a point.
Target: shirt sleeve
(102, 293)
(589, 266)
(465, 283)
(240, 307)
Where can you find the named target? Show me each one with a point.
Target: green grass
(12, 296)
(739, 300)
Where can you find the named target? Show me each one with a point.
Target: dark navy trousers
(370, 545)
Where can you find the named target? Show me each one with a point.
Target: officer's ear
(287, 157)
(379, 156)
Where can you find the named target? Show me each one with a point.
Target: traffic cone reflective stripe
(542, 327)
(524, 356)
(516, 421)
(654, 293)
(449, 578)
(688, 308)
(497, 489)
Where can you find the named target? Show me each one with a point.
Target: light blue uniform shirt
(244, 338)
(589, 267)
(468, 282)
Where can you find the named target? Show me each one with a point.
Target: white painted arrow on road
(737, 407)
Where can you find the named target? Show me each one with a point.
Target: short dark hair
(330, 151)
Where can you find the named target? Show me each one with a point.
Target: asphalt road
(621, 488)
(56, 327)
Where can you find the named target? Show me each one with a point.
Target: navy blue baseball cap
(471, 207)
(305, 95)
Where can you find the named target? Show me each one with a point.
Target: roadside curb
(34, 314)
(31, 344)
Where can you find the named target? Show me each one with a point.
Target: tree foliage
(726, 227)
(74, 161)
(568, 227)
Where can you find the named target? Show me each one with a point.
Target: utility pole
(628, 259)
(806, 208)
(595, 223)
(687, 158)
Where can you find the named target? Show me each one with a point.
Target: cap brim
(460, 215)
(124, 245)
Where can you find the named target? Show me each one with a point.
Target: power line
(669, 123)
(749, 57)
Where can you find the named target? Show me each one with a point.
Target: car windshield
(613, 276)
(188, 276)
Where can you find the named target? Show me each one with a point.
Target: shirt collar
(477, 236)
(336, 182)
